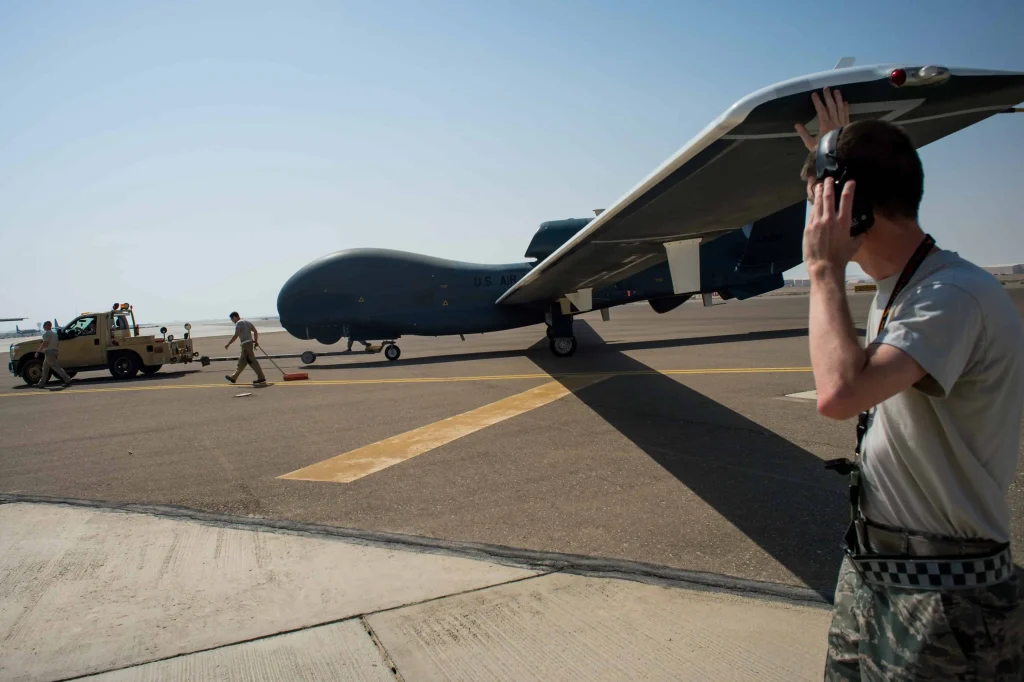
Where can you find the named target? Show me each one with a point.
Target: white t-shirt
(244, 330)
(940, 457)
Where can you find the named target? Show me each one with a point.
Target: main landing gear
(561, 340)
(563, 346)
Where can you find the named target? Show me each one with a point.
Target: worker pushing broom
(249, 339)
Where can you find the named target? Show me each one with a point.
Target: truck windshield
(82, 326)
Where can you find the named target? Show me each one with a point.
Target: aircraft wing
(745, 166)
(11, 319)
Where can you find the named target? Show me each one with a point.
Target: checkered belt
(936, 573)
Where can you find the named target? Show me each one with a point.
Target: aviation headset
(828, 164)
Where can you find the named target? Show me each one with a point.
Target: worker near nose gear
(248, 336)
(927, 589)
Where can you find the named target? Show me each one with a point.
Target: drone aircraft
(724, 215)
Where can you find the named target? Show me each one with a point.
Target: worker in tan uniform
(48, 350)
(248, 337)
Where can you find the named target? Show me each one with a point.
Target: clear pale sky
(190, 156)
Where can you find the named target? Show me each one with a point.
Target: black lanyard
(923, 249)
(853, 468)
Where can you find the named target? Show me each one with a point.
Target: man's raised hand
(832, 113)
(827, 239)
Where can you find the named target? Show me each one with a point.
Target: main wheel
(308, 357)
(563, 346)
(150, 370)
(32, 371)
(392, 352)
(124, 366)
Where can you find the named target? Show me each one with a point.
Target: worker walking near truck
(48, 349)
(248, 337)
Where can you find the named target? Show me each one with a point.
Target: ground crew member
(351, 341)
(248, 337)
(48, 350)
(927, 589)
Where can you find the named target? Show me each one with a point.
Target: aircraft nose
(308, 305)
(296, 306)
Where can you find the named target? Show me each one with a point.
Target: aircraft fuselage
(371, 294)
(382, 294)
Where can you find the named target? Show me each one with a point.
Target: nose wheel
(392, 352)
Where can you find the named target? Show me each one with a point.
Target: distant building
(1017, 269)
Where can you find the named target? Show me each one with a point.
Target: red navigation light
(898, 77)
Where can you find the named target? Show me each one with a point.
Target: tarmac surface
(666, 441)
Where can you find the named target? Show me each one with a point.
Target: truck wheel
(31, 371)
(124, 365)
(150, 370)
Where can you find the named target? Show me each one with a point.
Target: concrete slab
(85, 591)
(564, 627)
(341, 651)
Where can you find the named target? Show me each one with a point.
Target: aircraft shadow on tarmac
(778, 494)
(591, 342)
(109, 380)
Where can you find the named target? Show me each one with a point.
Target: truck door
(80, 344)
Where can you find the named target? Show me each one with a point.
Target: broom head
(295, 376)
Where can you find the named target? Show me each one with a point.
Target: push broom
(288, 376)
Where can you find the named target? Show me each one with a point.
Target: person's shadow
(775, 492)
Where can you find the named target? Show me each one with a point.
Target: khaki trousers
(50, 363)
(248, 357)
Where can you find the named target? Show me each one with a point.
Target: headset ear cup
(827, 162)
(863, 213)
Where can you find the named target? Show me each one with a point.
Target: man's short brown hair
(883, 161)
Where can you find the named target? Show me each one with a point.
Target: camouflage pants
(891, 633)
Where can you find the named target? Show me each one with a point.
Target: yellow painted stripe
(372, 458)
(75, 390)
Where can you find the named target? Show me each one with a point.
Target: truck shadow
(775, 492)
(107, 380)
(591, 345)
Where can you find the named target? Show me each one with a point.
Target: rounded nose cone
(309, 305)
(293, 305)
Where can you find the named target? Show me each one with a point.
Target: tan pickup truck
(109, 340)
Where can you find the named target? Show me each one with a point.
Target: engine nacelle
(667, 303)
(553, 234)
